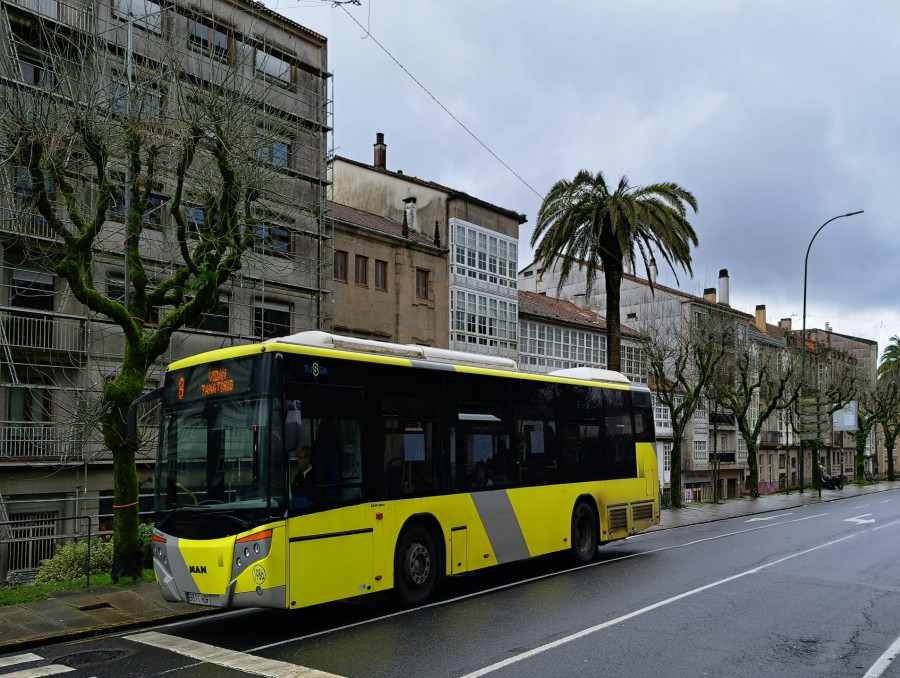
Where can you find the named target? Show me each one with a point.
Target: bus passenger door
(331, 534)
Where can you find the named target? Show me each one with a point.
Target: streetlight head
(850, 214)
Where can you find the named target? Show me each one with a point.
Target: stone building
(389, 280)
(56, 355)
(482, 239)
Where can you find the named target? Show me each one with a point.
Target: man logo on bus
(259, 574)
(197, 569)
(315, 369)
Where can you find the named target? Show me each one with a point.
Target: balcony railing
(723, 457)
(71, 14)
(38, 441)
(721, 419)
(770, 438)
(26, 329)
(25, 222)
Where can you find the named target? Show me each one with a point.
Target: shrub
(145, 535)
(71, 558)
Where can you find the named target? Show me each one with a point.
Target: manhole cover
(93, 657)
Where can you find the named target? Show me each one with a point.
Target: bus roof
(415, 354)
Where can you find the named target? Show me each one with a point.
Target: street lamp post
(803, 348)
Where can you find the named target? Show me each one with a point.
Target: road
(811, 591)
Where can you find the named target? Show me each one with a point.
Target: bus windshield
(216, 457)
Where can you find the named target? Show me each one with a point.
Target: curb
(106, 629)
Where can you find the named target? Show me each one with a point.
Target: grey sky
(777, 116)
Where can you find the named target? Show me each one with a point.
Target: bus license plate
(198, 598)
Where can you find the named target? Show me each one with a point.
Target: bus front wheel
(416, 567)
(584, 533)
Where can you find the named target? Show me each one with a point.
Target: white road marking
(886, 501)
(757, 520)
(599, 627)
(859, 507)
(39, 671)
(220, 656)
(884, 660)
(860, 520)
(19, 659)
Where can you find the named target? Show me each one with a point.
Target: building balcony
(25, 222)
(42, 336)
(722, 457)
(721, 419)
(38, 441)
(74, 15)
(770, 438)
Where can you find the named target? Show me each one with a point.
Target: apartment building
(483, 249)
(104, 57)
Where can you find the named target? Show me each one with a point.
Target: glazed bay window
(273, 148)
(700, 450)
(209, 40)
(482, 255)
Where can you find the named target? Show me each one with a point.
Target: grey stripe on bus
(501, 524)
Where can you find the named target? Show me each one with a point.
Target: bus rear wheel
(584, 533)
(416, 565)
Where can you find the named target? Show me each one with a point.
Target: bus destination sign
(218, 383)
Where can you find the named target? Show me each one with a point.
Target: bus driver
(304, 482)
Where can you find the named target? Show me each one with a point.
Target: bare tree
(682, 358)
(755, 379)
(876, 403)
(99, 141)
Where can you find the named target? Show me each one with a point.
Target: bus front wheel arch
(584, 533)
(416, 564)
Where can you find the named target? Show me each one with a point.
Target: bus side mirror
(292, 421)
(155, 394)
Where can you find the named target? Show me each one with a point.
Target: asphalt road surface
(812, 591)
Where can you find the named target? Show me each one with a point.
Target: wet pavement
(69, 615)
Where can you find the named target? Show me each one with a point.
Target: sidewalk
(70, 615)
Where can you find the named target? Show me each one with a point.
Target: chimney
(761, 318)
(785, 324)
(380, 151)
(652, 271)
(578, 300)
(709, 294)
(828, 327)
(723, 286)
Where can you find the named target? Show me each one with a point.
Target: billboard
(845, 418)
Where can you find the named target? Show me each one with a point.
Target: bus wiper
(175, 509)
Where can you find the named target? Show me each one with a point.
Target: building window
(272, 239)
(271, 319)
(380, 275)
(144, 13)
(700, 450)
(215, 320)
(209, 40)
(362, 271)
(152, 215)
(667, 456)
(421, 284)
(340, 265)
(272, 68)
(32, 290)
(273, 148)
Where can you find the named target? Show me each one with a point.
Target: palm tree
(587, 223)
(890, 359)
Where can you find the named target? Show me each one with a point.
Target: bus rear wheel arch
(417, 564)
(584, 532)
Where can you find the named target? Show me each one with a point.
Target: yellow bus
(314, 467)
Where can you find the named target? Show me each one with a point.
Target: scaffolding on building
(56, 354)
